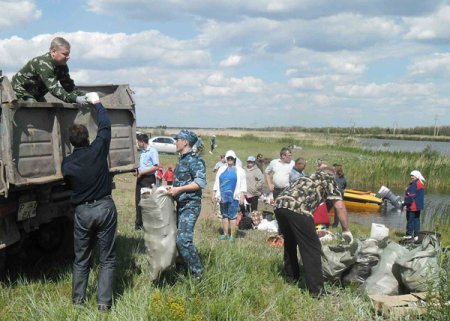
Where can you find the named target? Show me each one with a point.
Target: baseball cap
(251, 159)
(187, 135)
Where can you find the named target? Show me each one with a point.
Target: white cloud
(435, 64)
(117, 48)
(231, 61)
(323, 34)
(275, 9)
(308, 83)
(430, 28)
(385, 90)
(216, 91)
(18, 13)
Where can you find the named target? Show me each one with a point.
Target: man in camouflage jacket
(190, 179)
(48, 73)
(294, 209)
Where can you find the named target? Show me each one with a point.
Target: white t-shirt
(218, 165)
(280, 172)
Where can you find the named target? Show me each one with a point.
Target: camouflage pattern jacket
(190, 168)
(305, 194)
(41, 75)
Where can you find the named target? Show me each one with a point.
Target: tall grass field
(243, 280)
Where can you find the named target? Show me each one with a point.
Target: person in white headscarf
(414, 202)
(229, 188)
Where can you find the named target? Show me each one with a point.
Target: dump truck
(36, 215)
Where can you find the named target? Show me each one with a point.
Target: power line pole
(435, 133)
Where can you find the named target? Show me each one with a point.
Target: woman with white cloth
(229, 188)
(414, 202)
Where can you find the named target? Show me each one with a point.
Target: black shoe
(197, 277)
(104, 307)
(78, 303)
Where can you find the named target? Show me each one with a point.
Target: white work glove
(81, 100)
(348, 237)
(92, 98)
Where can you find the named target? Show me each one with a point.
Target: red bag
(321, 215)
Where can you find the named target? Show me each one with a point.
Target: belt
(97, 200)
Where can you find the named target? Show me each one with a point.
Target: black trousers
(94, 222)
(143, 181)
(252, 206)
(299, 230)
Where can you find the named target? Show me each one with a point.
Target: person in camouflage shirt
(294, 209)
(190, 179)
(48, 73)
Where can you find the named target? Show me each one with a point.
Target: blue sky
(254, 63)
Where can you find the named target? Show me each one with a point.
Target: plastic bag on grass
(420, 266)
(367, 257)
(384, 277)
(270, 226)
(337, 259)
(160, 230)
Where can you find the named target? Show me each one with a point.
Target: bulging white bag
(160, 230)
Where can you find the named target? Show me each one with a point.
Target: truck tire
(2, 263)
(55, 239)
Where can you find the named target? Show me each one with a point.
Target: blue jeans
(94, 221)
(412, 223)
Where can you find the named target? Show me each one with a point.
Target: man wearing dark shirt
(86, 172)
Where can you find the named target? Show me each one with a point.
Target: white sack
(160, 231)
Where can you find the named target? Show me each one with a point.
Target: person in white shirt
(219, 163)
(277, 173)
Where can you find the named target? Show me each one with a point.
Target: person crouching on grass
(229, 188)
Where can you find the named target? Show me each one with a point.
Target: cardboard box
(398, 305)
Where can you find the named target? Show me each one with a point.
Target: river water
(392, 145)
(437, 206)
(437, 211)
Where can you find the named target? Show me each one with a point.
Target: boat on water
(362, 201)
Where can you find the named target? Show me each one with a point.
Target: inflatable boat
(361, 201)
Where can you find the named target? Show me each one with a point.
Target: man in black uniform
(86, 172)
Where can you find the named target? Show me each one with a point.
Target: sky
(253, 63)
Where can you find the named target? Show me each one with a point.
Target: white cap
(230, 153)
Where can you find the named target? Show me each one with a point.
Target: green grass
(242, 281)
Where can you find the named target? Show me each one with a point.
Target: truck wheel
(50, 235)
(2, 263)
(56, 238)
